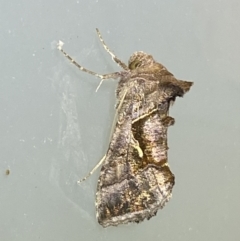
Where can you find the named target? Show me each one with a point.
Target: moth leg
(102, 77)
(114, 57)
(120, 103)
(93, 170)
(117, 113)
(135, 144)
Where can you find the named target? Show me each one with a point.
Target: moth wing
(130, 187)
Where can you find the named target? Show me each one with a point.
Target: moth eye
(134, 64)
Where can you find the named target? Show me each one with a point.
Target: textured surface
(55, 128)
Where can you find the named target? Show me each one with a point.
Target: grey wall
(55, 128)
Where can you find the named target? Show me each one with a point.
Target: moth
(135, 179)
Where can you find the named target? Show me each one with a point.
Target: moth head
(139, 60)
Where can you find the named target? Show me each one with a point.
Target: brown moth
(135, 179)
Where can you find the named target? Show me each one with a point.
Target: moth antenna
(102, 77)
(114, 57)
(60, 44)
(92, 171)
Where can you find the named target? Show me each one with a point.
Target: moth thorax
(140, 59)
